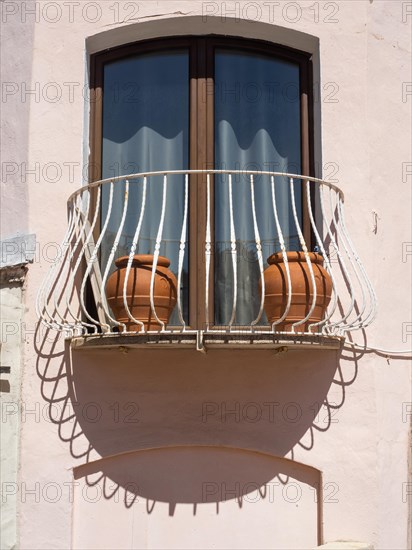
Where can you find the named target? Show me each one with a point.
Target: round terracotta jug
(276, 290)
(138, 291)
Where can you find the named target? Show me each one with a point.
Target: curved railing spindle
(61, 306)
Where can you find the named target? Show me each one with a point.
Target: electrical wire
(378, 350)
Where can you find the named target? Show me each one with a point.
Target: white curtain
(257, 127)
(146, 129)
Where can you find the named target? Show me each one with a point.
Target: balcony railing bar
(348, 250)
(139, 175)
(54, 284)
(111, 258)
(157, 253)
(80, 256)
(133, 251)
(332, 308)
(182, 250)
(284, 254)
(306, 253)
(258, 250)
(345, 272)
(357, 268)
(372, 295)
(208, 249)
(45, 288)
(92, 262)
(233, 251)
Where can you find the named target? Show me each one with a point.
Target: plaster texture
(358, 440)
(11, 314)
(346, 545)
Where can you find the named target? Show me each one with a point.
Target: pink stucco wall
(358, 442)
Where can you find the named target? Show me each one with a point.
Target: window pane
(146, 128)
(257, 127)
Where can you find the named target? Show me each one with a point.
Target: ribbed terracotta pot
(138, 291)
(276, 290)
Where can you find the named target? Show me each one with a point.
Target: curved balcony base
(202, 341)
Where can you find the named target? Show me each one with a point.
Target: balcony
(209, 250)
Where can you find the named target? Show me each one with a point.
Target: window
(202, 103)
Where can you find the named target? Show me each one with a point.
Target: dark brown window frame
(201, 132)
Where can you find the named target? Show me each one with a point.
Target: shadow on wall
(246, 499)
(196, 475)
(141, 399)
(110, 402)
(181, 427)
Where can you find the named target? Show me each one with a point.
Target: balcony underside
(202, 341)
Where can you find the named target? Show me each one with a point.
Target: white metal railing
(73, 297)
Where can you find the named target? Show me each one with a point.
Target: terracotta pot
(138, 291)
(276, 290)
